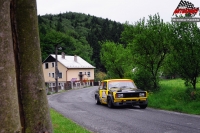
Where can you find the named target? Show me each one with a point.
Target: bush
(48, 93)
(192, 94)
(100, 76)
(143, 80)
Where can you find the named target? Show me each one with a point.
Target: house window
(46, 65)
(80, 73)
(53, 85)
(88, 74)
(49, 74)
(52, 75)
(60, 75)
(52, 64)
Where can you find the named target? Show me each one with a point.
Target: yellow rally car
(120, 92)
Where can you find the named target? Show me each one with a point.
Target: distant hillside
(84, 34)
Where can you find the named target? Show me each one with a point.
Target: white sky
(118, 10)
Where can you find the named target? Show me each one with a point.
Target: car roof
(117, 79)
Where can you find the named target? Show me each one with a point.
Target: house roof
(69, 61)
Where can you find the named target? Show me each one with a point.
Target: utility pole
(56, 69)
(56, 66)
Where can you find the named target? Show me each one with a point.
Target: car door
(103, 92)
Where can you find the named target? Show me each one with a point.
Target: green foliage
(48, 93)
(116, 59)
(143, 79)
(185, 51)
(83, 35)
(148, 42)
(168, 68)
(68, 44)
(99, 76)
(174, 96)
(54, 37)
(64, 125)
(151, 45)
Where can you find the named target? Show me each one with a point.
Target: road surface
(79, 105)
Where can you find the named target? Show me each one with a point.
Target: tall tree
(9, 108)
(186, 51)
(116, 59)
(20, 63)
(35, 109)
(149, 44)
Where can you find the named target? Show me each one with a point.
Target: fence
(72, 85)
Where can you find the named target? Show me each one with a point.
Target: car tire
(97, 100)
(143, 106)
(109, 103)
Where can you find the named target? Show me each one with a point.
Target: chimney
(75, 58)
(63, 55)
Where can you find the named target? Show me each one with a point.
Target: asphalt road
(79, 105)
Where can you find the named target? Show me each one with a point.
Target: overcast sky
(118, 10)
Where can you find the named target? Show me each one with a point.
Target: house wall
(48, 73)
(67, 74)
(74, 73)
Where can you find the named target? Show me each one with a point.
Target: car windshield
(121, 84)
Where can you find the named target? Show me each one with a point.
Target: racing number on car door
(103, 92)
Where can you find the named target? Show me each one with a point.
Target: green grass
(174, 96)
(64, 125)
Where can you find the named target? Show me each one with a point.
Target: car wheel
(97, 100)
(109, 103)
(143, 106)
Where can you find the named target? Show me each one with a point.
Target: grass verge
(64, 125)
(175, 96)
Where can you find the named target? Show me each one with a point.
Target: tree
(143, 79)
(116, 59)
(69, 45)
(54, 37)
(24, 105)
(88, 32)
(169, 67)
(99, 76)
(9, 107)
(83, 49)
(148, 42)
(186, 51)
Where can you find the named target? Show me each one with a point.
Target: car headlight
(119, 95)
(141, 94)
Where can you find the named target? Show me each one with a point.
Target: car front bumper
(130, 102)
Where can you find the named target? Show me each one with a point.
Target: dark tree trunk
(9, 109)
(35, 107)
(21, 70)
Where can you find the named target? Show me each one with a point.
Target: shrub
(48, 93)
(143, 80)
(100, 76)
